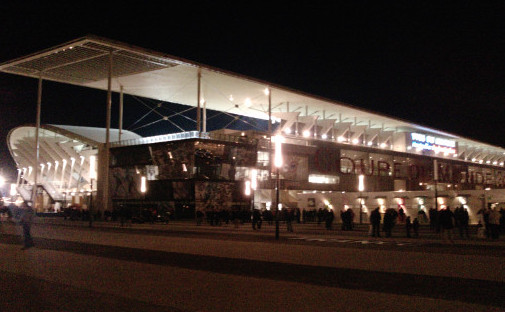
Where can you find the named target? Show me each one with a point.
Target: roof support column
(120, 112)
(37, 143)
(198, 90)
(269, 111)
(204, 117)
(270, 133)
(103, 199)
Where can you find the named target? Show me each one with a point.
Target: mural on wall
(213, 196)
(219, 161)
(125, 183)
(173, 160)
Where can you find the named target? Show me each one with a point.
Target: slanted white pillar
(19, 177)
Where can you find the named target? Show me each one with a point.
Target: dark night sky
(439, 64)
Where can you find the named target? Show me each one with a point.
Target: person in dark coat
(256, 219)
(415, 227)
(446, 221)
(329, 218)
(408, 226)
(26, 221)
(375, 219)
(389, 221)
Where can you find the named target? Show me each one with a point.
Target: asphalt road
(181, 267)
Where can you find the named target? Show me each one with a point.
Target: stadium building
(330, 155)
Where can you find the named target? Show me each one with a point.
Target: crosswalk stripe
(336, 240)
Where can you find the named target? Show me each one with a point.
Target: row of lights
(247, 101)
(340, 139)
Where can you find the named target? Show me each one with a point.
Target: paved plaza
(183, 267)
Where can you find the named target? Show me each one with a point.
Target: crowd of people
(446, 222)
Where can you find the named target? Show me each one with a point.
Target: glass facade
(207, 175)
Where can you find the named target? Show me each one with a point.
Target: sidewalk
(360, 231)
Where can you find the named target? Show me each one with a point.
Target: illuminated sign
(432, 143)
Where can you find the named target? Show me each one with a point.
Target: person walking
(494, 223)
(26, 222)
(389, 221)
(446, 220)
(375, 219)
(408, 226)
(415, 227)
(329, 218)
(256, 219)
(288, 217)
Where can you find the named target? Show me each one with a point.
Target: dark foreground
(181, 267)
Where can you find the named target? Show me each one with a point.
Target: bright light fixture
(143, 187)
(92, 167)
(13, 190)
(361, 183)
(254, 179)
(247, 188)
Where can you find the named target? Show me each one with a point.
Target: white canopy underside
(85, 62)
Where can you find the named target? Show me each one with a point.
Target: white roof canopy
(140, 72)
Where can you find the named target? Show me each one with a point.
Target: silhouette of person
(26, 221)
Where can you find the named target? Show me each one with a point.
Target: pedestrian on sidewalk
(288, 217)
(329, 218)
(375, 219)
(26, 222)
(415, 227)
(256, 219)
(389, 221)
(494, 222)
(408, 226)
(446, 221)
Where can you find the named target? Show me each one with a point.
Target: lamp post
(361, 188)
(143, 189)
(254, 186)
(278, 164)
(92, 176)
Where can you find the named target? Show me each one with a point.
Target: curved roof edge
(90, 135)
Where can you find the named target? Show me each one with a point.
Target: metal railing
(184, 136)
(161, 138)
